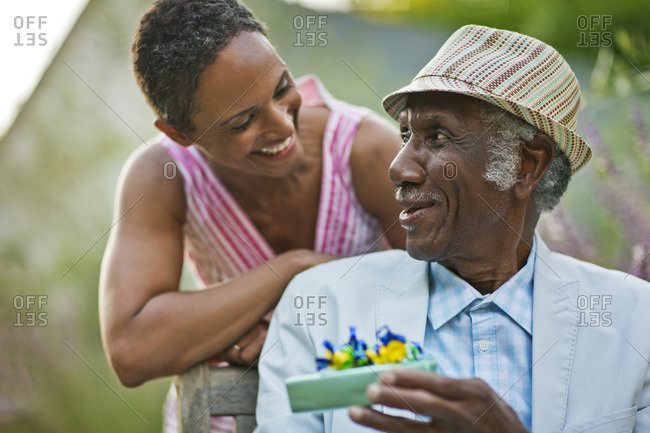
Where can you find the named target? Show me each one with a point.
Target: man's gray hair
(506, 133)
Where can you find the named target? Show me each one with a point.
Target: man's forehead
(439, 104)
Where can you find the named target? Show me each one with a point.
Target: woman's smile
(277, 151)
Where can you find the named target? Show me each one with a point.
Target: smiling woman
(276, 176)
(250, 126)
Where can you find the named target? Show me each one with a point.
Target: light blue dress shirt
(584, 379)
(484, 336)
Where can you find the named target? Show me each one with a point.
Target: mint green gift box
(331, 389)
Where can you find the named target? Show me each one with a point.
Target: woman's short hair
(175, 42)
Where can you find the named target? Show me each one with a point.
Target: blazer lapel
(402, 305)
(555, 325)
(403, 300)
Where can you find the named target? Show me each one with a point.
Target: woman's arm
(375, 145)
(149, 328)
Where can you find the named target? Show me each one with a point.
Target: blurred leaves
(553, 21)
(614, 35)
(605, 215)
(60, 162)
(623, 68)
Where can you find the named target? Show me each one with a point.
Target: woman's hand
(246, 351)
(306, 259)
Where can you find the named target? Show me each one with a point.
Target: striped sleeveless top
(222, 242)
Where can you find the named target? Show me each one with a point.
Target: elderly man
(526, 339)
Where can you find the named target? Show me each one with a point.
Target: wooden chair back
(205, 391)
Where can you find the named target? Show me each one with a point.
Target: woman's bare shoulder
(313, 117)
(150, 170)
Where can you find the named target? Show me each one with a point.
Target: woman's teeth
(274, 150)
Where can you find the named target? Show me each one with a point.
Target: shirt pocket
(621, 421)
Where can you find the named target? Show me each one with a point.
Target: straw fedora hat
(520, 74)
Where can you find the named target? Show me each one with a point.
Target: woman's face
(247, 108)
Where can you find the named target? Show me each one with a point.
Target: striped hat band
(515, 72)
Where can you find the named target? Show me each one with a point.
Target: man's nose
(406, 167)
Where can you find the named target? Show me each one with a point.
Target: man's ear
(173, 133)
(536, 156)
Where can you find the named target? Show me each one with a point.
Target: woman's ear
(536, 156)
(173, 133)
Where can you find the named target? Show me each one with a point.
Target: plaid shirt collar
(451, 295)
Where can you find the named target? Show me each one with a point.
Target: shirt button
(483, 345)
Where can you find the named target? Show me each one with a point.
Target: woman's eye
(285, 88)
(244, 126)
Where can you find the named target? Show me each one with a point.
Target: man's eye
(435, 137)
(406, 136)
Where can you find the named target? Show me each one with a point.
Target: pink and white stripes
(222, 242)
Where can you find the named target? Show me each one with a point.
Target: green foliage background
(60, 162)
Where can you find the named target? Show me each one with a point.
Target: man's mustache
(412, 193)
